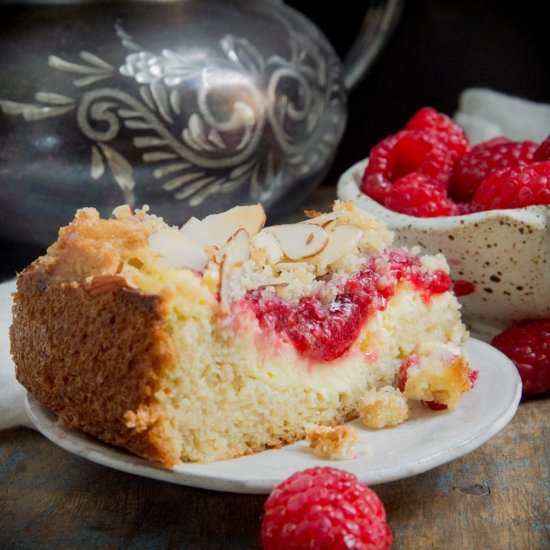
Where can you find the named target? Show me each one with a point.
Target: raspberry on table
(543, 151)
(486, 158)
(528, 346)
(324, 508)
(515, 188)
(418, 195)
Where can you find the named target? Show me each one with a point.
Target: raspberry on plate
(515, 188)
(324, 508)
(528, 346)
(418, 195)
(484, 159)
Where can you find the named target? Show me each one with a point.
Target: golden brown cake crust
(92, 354)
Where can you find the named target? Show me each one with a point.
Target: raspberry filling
(325, 331)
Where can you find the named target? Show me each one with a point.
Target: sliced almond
(324, 220)
(342, 240)
(178, 250)
(192, 228)
(216, 229)
(266, 248)
(300, 240)
(237, 251)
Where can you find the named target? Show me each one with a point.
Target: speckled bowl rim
(349, 188)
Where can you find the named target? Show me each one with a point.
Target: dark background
(439, 48)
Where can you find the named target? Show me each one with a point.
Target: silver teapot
(189, 106)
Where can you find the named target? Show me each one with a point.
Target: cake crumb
(440, 377)
(383, 408)
(336, 443)
(312, 213)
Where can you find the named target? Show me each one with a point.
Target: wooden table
(496, 497)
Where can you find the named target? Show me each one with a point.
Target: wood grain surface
(496, 497)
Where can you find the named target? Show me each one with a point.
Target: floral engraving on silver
(212, 146)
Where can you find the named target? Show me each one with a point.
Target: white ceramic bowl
(504, 253)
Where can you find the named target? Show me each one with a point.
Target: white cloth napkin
(486, 114)
(483, 113)
(12, 408)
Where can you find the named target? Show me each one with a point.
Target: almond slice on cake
(215, 230)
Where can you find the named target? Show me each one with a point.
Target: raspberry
(406, 152)
(452, 134)
(426, 152)
(324, 508)
(513, 188)
(418, 195)
(402, 375)
(434, 405)
(427, 118)
(528, 346)
(463, 288)
(468, 208)
(430, 144)
(486, 158)
(543, 151)
(376, 179)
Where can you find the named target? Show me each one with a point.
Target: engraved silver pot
(190, 106)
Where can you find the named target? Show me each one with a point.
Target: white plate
(428, 439)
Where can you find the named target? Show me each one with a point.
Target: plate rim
(102, 453)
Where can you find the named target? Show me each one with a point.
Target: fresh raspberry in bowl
(515, 187)
(324, 508)
(484, 159)
(543, 151)
(427, 118)
(405, 153)
(418, 195)
(429, 145)
(443, 174)
(448, 130)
